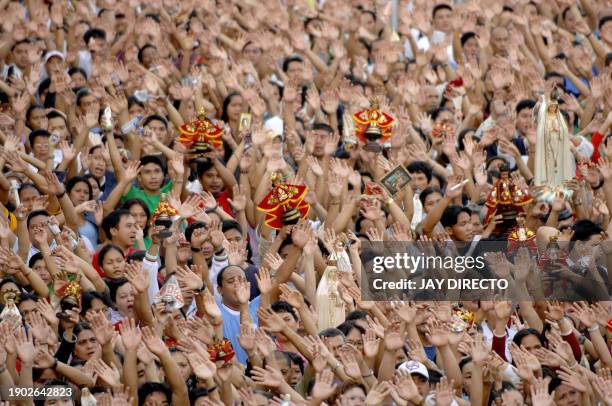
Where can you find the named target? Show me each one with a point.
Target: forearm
(130, 372)
(450, 365)
(75, 375)
(174, 378)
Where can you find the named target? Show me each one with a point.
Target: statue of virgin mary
(554, 163)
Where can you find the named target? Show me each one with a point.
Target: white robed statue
(554, 162)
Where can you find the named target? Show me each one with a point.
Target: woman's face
(139, 215)
(355, 338)
(41, 270)
(97, 306)
(252, 52)
(354, 396)
(113, 264)
(234, 108)
(79, 193)
(78, 80)
(95, 189)
(552, 109)
(125, 300)
(27, 196)
(87, 346)
(471, 48)
(36, 119)
(296, 374)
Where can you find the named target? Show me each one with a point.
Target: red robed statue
(372, 125)
(201, 135)
(284, 204)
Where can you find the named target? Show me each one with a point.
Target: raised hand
(153, 342)
(189, 279)
(130, 334)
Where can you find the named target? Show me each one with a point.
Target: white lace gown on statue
(554, 162)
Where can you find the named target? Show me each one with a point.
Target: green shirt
(150, 200)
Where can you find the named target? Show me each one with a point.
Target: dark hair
(36, 213)
(521, 334)
(149, 388)
(36, 134)
(137, 256)
(281, 306)
(552, 74)
(323, 126)
(153, 159)
(82, 92)
(144, 48)
(435, 113)
(331, 332)
(203, 167)
(113, 287)
(74, 70)
(440, 7)
(450, 216)
(222, 271)
(608, 59)
(154, 117)
(584, 229)
(50, 384)
(525, 104)
(349, 325)
(603, 20)
(80, 327)
(197, 393)
(34, 259)
(91, 176)
(356, 315)
(192, 227)
(466, 36)
(112, 220)
(89, 297)
(226, 102)
(296, 359)
(133, 100)
(230, 225)
(428, 191)
(79, 179)
(420, 167)
(127, 205)
(464, 361)
(289, 60)
(105, 250)
(95, 33)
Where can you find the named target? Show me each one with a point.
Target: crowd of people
(191, 192)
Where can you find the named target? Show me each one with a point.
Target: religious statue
(284, 204)
(553, 160)
(200, 137)
(505, 199)
(522, 236)
(373, 127)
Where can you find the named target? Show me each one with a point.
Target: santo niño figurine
(505, 199)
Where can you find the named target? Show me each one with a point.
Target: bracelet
(219, 252)
(370, 373)
(2, 369)
(55, 362)
(334, 203)
(211, 210)
(212, 389)
(338, 365)
(194, 249)
(61, 194)
(593, 328)
(389, 201)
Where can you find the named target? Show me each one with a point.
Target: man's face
(125, 233)
(419, 181)
(567, 396)
(233, 235)
(97, 163)
(149, 56)
(156, 399)
(20, 55)
(87, 346)
(151, 177)
(320, 139)
(463, 230)
(422, 384)
(41, 148)
(333, 343)
(58, 125)
(211, 181)
(231, 277)
(96, 46)
(442, 20)
(295, 70)
(499, 38)
(37, 117)
(430, 98)
(89, 102)
(27, 309)
(524, 120)
(289, 320)
(37, 225)
(27, 196)
(431, 201)
(159, 128)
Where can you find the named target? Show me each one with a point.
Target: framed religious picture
(245, 122)
(396, 179)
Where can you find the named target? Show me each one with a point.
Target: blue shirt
(231, 326)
